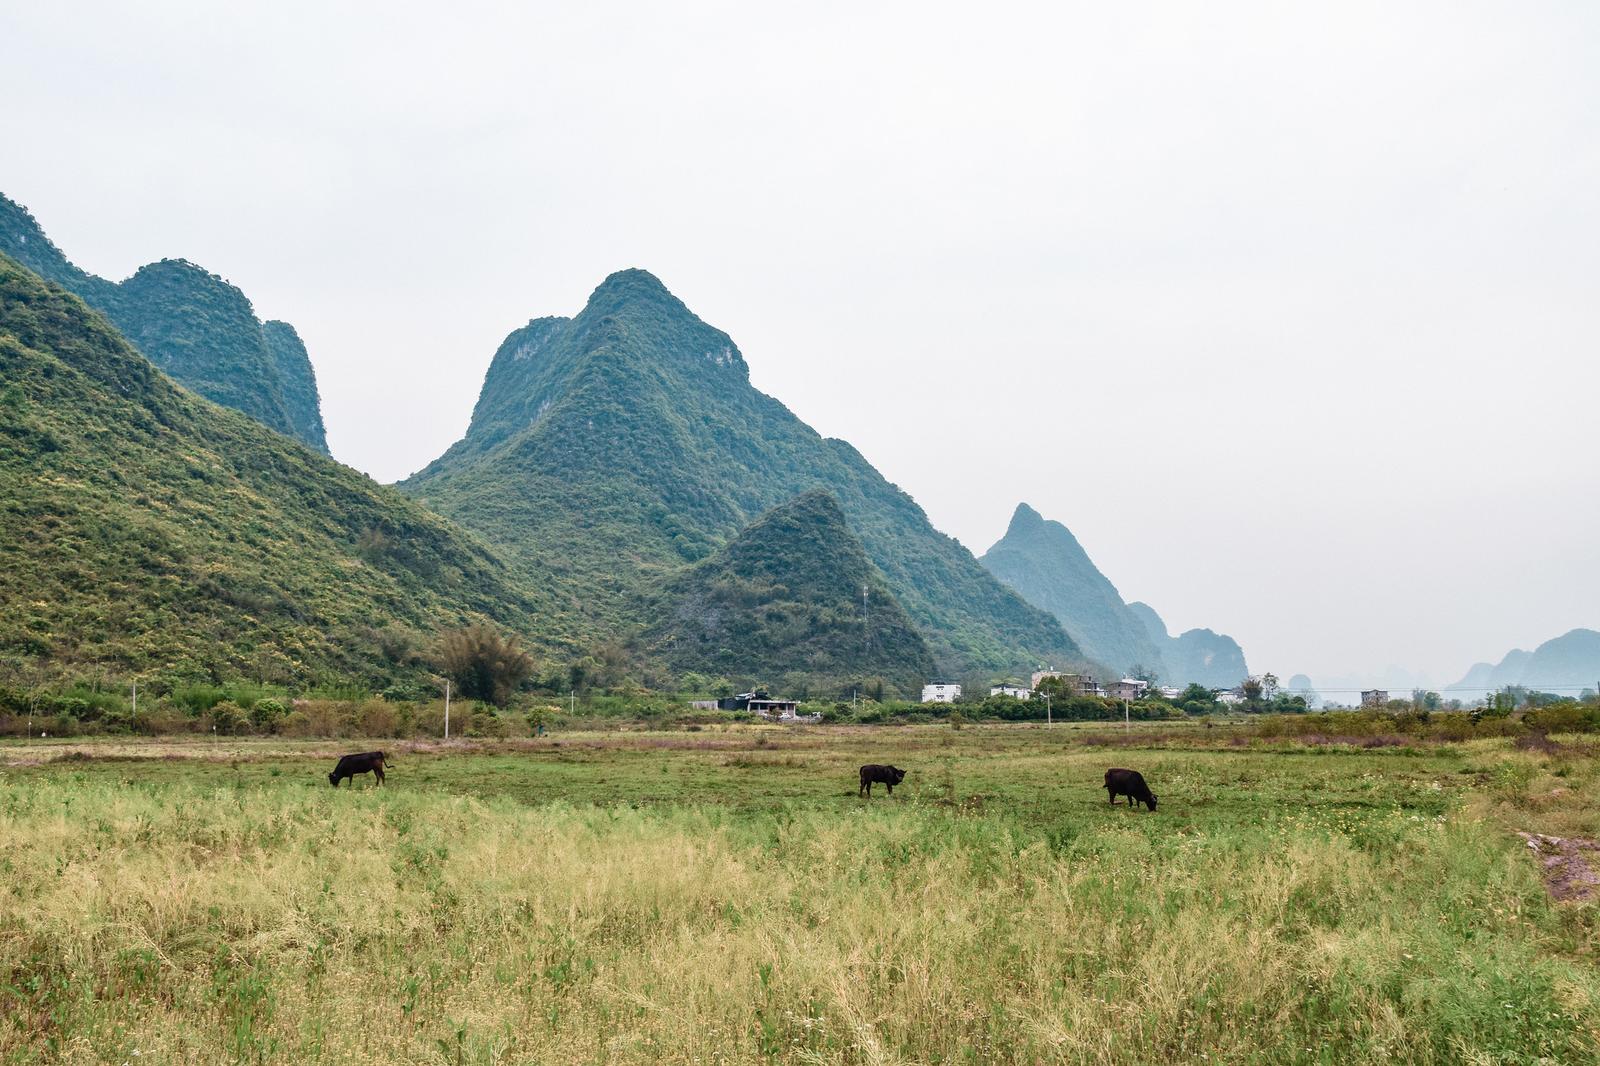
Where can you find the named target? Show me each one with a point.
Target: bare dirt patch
(1569, 865)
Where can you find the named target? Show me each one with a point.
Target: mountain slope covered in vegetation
(193, 325)
(144, 529)
(792, 600)
(617, 447)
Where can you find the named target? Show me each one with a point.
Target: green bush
(198, 699)
(267, 714)
(229, 719)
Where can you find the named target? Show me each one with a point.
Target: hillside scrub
(145, 530)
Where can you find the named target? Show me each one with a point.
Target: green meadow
(722, 895)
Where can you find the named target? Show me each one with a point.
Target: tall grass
(218, 924)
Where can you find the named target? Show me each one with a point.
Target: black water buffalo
(368, 762)
(1129, 783)
(889, 775)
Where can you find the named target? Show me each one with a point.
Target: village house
(759, 703)
(940, 692)
(1015, 691)
(1077, 684)
(1374, 697)
(1128, 688)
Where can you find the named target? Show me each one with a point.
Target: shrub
(483, 664)
(267, 714)
(198, 699)
(377, 718)
(428, 720)
(163, 720)
(229, 719)
(318, 718)
(485, 724)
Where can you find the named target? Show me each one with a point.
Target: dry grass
(275, 921)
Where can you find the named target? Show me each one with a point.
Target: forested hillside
(146, 529)
(611, 449)
(194, 326)
(793, 601)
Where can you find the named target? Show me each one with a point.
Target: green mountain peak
(192, 324)
(1047, 566)
(792, 600)
(615, 447)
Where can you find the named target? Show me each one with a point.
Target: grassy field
(724, 896)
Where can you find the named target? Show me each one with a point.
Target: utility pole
(1124, 714)
(136, 695)
(1047, 719)
(572, 703)
(447, 708)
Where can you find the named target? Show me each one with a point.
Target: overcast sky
(1288, 312)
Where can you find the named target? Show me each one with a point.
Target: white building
(940, 692)
(1016, 691)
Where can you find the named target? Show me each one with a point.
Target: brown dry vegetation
(722, 896)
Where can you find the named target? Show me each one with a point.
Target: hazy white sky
(1289, 311)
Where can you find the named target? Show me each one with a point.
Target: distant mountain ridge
(1201, 656)
(616, 447)
(145, 529)
(1566, 664)
(1044, 562)
(794, 601)
(1047, 566)
(195, 326)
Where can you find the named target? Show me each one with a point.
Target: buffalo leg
(890, 786)
(379, 771)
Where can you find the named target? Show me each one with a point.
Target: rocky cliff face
(301, 402)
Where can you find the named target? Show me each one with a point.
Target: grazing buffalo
(368, 762)
(889, 775)
(1129, 783)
